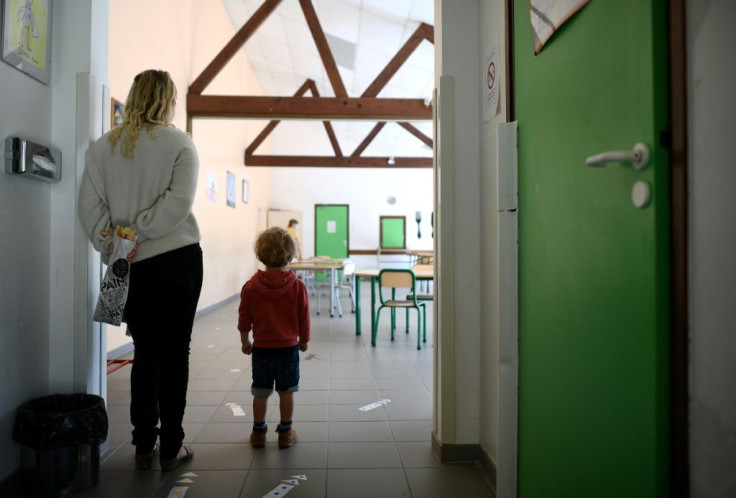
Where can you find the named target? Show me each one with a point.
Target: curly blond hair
(150, 102)
(275, 248)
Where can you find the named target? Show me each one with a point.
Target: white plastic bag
(114, 286)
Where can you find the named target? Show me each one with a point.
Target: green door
(331, 230)
(593, 268)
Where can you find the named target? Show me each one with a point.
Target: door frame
(679, 465)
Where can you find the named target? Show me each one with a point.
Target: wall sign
(548, 15)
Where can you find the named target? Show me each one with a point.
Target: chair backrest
(395, 279)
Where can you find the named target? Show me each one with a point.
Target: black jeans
(162, 300)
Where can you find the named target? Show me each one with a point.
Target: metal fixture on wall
(23, 157)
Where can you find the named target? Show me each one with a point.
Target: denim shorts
(275, 366)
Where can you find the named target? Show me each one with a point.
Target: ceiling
(363, 35)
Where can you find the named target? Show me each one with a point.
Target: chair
(396, 279)
(425, 285)
(347, 282)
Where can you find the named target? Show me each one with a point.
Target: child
(275, 305)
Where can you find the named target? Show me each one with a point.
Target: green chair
(389, 282)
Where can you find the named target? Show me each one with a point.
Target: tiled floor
(342, 451)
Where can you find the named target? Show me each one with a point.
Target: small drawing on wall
(230, 189)
(117, 109)
(211, 186)
(245, 191)
(26, 35)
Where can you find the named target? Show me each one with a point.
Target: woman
(143, 174)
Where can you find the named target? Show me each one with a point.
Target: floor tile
(366, 483)
(359, 431)
(411, 430)
(300, 455)
(261, 482)
(363, 455)
(448, 481)
(205, 484)
(418, 455)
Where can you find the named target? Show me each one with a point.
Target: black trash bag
(61, 419)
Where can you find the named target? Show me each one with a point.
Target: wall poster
(548, 15)
(26, 33)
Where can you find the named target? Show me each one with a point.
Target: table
(333, 265)
(421, 272)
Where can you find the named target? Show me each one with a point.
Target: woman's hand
(247, 348)
(303, 346)
(111, 246)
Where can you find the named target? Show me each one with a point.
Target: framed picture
(245, 191)
(230, 189)
(26, 33)
(211, 186)
(117, 109)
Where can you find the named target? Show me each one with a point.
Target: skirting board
(466, 454)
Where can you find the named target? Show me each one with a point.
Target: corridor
(342, 451)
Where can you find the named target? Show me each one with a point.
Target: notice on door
(331, 226)
(491, 81)
(548, 15)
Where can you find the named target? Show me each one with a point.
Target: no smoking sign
(491, 75)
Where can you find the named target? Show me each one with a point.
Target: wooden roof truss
(366, 107)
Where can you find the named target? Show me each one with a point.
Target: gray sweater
(153, 192)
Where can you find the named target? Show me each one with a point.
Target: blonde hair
(150, 102)
(275, 248)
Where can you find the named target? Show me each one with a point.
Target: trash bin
(60, 436)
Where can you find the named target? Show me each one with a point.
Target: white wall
(365, 190)
(25, 218)
(41, 305)
(459, 257)
(182, 37)
(712, 293)
(491, 28)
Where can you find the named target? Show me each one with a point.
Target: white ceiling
(364, 35)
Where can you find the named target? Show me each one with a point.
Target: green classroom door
(593, 268)
(331, 230)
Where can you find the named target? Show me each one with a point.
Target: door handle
(638, 157)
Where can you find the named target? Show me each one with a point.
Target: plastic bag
(114, 286)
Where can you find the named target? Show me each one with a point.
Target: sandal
(167, 465)
(143, 461)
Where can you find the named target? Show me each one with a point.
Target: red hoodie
(276, 306)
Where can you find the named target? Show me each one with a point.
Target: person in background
(293, 230)
(143, 174)
(275, 306)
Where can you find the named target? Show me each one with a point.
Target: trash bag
(61, 419)
(60, 439)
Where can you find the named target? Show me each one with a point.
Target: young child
(275, 305)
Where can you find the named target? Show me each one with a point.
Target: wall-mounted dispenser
(32, 160)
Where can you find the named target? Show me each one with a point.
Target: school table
(421, 272)
(333, 265)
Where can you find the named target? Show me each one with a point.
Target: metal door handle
(638, 157)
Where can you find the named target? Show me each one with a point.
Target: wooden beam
(416, 132)
(232, 47)
(337, 162)
(272, 124)
(423, 32)
(224, 106)
(328, 126)
(366, 142)
(323, 48)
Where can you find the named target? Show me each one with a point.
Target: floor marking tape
(375, 405)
